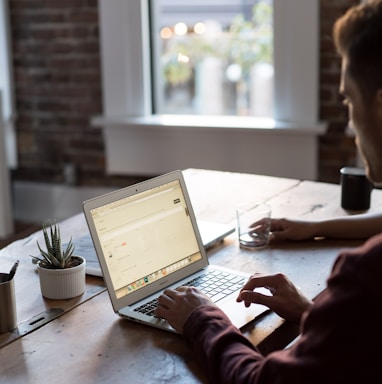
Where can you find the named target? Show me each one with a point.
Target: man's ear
(379, 96)
(379, 104)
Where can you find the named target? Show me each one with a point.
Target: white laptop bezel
(156, 286)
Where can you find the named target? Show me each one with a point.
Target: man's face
(366, 121)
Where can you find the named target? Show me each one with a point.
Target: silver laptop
(147, 239)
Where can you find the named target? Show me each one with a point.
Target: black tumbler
(355, 189)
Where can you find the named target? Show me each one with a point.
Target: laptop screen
(145, 237)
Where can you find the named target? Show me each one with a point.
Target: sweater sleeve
(340, 341)
(223, 351)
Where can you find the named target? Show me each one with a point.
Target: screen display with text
(146, 237)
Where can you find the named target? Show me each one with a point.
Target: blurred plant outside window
(214, 66)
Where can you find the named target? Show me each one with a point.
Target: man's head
(358, 38)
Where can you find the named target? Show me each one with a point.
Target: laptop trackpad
(239, 314)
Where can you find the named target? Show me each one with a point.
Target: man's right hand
(285, 299)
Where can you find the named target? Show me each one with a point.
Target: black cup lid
(353, 171)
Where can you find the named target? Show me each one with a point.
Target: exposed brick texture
(58, 89)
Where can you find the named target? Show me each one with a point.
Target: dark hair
(358, 37)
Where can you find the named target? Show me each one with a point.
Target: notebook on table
(147, 239)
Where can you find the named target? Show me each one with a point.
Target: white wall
(6, 217)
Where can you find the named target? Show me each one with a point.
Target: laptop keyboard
(214, 283)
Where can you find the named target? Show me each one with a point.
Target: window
(212, 57)
(139, 140)
(125, 38)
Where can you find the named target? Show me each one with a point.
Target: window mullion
(125, 57)
(296, 27)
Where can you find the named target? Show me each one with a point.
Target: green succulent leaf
(54, 256)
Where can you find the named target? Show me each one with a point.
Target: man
(341, 333)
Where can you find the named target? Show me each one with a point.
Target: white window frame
(125, 59)
(7, 106)
(7, 143)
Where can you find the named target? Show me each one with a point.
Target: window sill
(212, 123)
(158, 144)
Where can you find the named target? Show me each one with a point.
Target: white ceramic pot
(64, 283)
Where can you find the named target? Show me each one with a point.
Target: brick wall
(57, 86)
(58, 89)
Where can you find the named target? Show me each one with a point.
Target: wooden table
(82, 340)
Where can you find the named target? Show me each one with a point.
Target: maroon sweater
(341, 335)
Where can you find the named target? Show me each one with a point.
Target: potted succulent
(62, 274)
